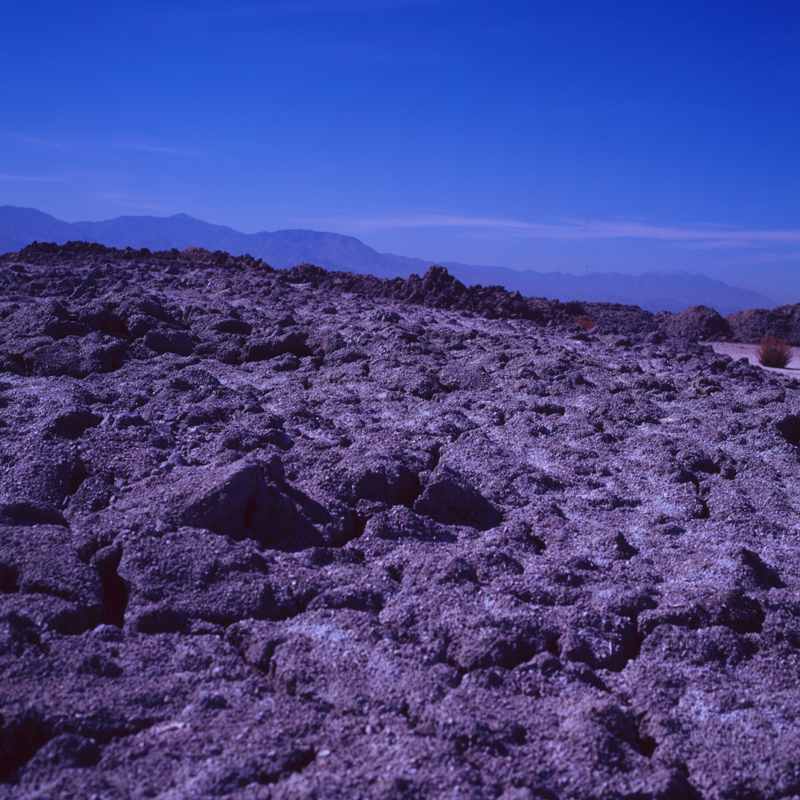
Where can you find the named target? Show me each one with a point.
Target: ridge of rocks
(437, 289)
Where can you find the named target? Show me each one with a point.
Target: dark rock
(698, 322)
(99, 316)
(42, 561)
(292, 343)
(233, 326)
(169, 341)
(789, 428)
(761, 574)
(66, 751)
(241, 500)
(288, 362)
(28, 512)
(94, 494)
(77, 358)
(124, 421)
(72, 424)
(401, 523)
(377, 477)
(262, 350)
(48, 474)
(756, 323)
(449, 499)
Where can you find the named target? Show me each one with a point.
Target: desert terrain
(296, 534)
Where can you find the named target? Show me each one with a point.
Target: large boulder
(451, 500)
(697, 322)
(243, 500)
(756, 323)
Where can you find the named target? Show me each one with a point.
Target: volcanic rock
(756, 323)
(698, 322)
(301, 534)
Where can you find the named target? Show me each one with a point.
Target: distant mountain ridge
(654, 291)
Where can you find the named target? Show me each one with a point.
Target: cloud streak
(121, 199)
(88, 147)
(33, 141)
(700, 236)
(29, 179)
(151, 147)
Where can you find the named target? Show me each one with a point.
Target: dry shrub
(585, 322)
(773, 352)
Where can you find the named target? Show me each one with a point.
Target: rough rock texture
(303, 534)
(698, 322)
(751, 326)
(756, 323)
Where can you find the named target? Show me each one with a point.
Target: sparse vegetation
(774, 352)
(585, 322)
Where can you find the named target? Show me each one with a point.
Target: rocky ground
(307, 535)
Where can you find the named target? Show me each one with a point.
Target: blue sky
(566, 135)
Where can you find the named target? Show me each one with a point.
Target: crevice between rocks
(644, 743)
(115, 589)
(20, 739)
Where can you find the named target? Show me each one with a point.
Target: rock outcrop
(756, 323)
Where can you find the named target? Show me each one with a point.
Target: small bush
(585, 322)
(774, 352)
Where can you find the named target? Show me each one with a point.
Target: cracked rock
(303, 534)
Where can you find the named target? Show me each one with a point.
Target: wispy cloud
(153, 147)
(754, 258)
(702, 235)
(34, 141)
(120, 199)
(29, 179)
(85, 148)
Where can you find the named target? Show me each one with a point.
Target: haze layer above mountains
(653, 291)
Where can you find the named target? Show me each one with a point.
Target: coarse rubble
(297, 534)
(751, 326)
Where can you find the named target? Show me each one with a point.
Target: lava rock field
(298, 534)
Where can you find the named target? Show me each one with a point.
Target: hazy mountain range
(654, 291)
